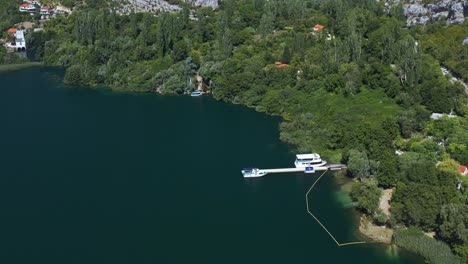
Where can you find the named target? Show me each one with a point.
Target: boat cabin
(304, 160)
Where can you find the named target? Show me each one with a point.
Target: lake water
(90, 176)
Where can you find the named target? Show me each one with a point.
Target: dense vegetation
(415, 240)
(355, 91)
(443, 43)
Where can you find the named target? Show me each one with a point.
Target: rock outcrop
(418, 13)
(126, 7)
(465, 41)
(210, 3)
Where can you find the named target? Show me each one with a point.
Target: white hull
(196, 94)
(255, 173)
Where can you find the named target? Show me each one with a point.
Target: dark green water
(88, 176)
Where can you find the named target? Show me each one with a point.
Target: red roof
(45, 8)
(25, 5)
(12, 30)
(319, 27)
(282, 65)
(463, 169)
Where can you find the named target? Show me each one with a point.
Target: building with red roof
(12, 31)
(463, 170)
(319, 27)
(282, 65)
(46, 10)
(27, 8)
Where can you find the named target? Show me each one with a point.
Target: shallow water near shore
(91, 176)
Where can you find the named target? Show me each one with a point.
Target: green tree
(359, 165)
(266, 24)
(454, 224)
(367, 195)
(286, 57)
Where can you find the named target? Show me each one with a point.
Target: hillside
(348, 77)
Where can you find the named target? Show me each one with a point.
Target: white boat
(253, 173)
(196, 93)
(306, 160)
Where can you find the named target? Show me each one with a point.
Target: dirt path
(384, 203)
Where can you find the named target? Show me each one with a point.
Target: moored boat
(253, 173)
(306, 160)
(196, 93)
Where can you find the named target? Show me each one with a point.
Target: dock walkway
(252, 173)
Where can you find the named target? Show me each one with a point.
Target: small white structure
(62, 10)
(436, 116)
(20, 41)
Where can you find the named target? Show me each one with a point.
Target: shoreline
(19, 66)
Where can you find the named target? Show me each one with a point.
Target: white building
(45, 10)
(20, 41)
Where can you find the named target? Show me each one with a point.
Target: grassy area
(15, 67)
(434, 251)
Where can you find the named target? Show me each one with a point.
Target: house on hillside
(318, 27)
(46, 10)
(463, 170)
(27, 8)
(11, 31)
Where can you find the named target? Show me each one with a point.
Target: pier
(255, 172)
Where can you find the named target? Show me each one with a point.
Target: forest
(355, 91)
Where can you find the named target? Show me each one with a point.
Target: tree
(189, 69)
(408, 60)
(416, 205)
(266, 24)
(352, 78)
(354, 43)
(286, 58)
(454, 224)
(367, 195)
(417, 167)
(224, 37)
(73, 75)
(359, 165)
(166, 33)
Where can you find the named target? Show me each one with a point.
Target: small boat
(306, 160)
(253, 173)
(196, 93)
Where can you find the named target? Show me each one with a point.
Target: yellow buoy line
(316, 219)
